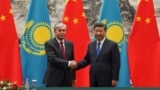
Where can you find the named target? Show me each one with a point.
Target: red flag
(77, 32)
(10, 68)
(142, 47)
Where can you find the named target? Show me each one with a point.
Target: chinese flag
(143, 47)
(10, 68)
(77, 32)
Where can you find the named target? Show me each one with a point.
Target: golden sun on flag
(34, 41)
(115, 32)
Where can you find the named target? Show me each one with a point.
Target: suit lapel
(56, 44)
(94, 50)
(66, 49)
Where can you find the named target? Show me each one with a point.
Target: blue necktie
(98, 48)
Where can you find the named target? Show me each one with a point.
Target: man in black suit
(59, 55)
(104, 59)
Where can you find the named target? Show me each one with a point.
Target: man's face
(60, 32)
(99, 33)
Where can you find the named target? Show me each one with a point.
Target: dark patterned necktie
(62, 50)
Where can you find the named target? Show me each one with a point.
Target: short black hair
(100, 25)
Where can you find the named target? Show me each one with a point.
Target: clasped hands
(73, 64)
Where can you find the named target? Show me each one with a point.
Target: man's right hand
(73, 64)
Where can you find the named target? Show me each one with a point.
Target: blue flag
(36, 32)
(110, 15)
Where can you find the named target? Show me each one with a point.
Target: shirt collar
(59, 40)
(102, 41)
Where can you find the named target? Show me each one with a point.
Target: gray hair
(60, 24)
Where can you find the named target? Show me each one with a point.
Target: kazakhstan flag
(37, 31)
(110, 15)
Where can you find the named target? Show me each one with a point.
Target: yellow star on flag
(75, 20)
(66, 19)
(83, 15)
(3, 18)
(138, 18)
(147, 20)
(10, 11)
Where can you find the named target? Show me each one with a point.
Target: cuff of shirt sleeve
(69, 63)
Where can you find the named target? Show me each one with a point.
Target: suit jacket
(57, 68)
(105, 67)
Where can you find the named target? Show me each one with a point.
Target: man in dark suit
(104, 59)
(59, 55)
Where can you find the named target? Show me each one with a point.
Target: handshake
(73, 64)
